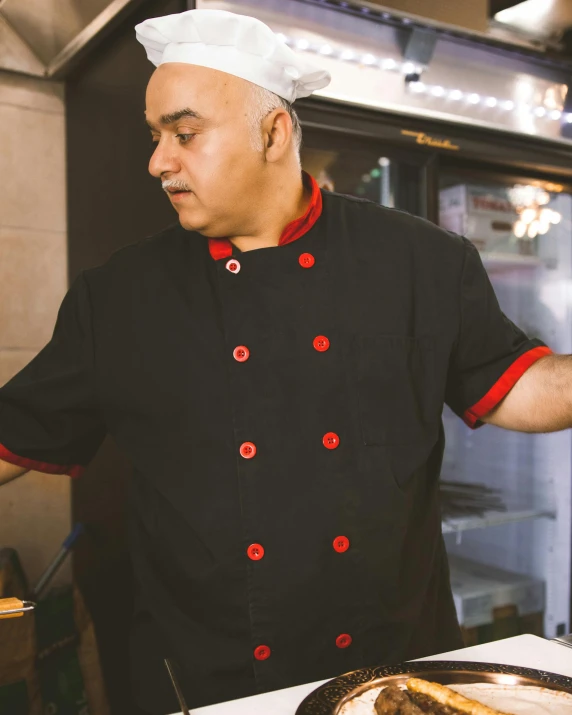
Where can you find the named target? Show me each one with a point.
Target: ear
(277, 133)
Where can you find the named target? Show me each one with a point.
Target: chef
(275, 366)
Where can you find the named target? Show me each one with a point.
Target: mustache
(175, 184)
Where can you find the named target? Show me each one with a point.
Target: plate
(335, 696)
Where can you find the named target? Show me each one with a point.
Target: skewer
(180, 697)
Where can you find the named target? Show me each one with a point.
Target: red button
(341, 544)
(233, 265)
(248, 450)
(306, 260)
(331, 440)
(255, 552)
(241, 353)
(262, 652)
(344, 640)
(321, 343)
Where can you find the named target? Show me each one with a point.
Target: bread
(449, 697)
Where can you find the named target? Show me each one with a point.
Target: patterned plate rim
(323, 700)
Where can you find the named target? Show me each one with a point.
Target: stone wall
(35, 509)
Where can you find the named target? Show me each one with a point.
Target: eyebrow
(173, 117)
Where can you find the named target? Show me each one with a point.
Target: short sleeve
(491, 353)
(49, 419)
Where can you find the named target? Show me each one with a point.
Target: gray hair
(263, 101)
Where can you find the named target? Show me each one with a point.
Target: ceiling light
(455, 94)
(491, 101)
(302, 44)
(473, 98)
(527, 14)
(438, 91)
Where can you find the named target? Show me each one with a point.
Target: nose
(163, 160)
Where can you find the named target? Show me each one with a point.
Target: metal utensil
(179, 693)
(14, 607)
(563, 640)
(58, 560)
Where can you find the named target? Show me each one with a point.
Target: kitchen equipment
(564, 640)
(177, 687)
(58, 560)
(14, 607)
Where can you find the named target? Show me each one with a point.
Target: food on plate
(446, 696)
(424, 697)
(394, 701)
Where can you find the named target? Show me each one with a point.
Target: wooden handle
(10, 604)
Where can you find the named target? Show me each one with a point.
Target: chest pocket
(396, 390)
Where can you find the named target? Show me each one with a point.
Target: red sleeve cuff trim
(504, 385)
(73, 470)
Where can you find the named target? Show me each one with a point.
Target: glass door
(369, 169)
(512, 552)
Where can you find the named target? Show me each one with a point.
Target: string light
(534, 217)
(389, 64)
(408, 68)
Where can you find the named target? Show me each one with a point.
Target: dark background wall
(112, 201)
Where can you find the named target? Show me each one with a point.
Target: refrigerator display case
(524, 233)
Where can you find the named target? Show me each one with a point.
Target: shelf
(493, 518)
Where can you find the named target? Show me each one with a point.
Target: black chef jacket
(282, 411)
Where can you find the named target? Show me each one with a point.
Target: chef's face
(204, 154)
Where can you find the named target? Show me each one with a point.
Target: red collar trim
(222, 247)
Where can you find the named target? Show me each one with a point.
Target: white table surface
(527, 651)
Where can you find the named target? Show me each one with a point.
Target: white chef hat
(237, 44)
